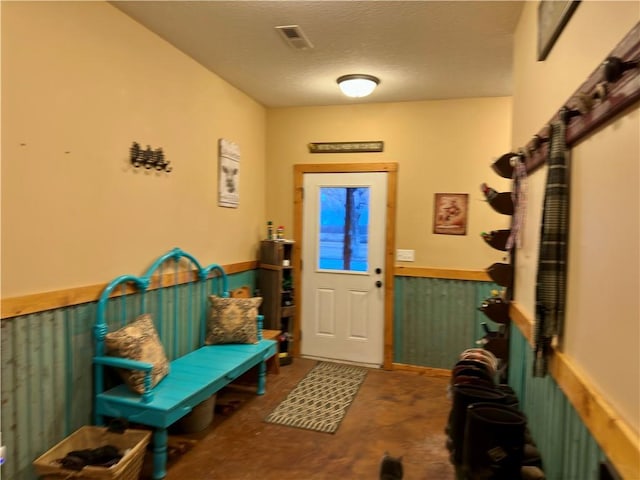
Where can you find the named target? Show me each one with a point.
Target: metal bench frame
(179, 308)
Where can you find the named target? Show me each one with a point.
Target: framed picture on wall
(450, 213)
(228, 174)
(553, 16)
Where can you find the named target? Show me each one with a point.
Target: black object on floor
(391, 468)
(494, 442)
(104, 456)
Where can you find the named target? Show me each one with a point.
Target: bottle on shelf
(270, 230)
(280, 233)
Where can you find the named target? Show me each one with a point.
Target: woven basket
(132, 442)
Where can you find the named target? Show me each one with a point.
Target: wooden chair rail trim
(618, 440)
(522, 320)
(426, 371)
(39, 302)
(444, 273)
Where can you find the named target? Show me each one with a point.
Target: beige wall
(80, 82)
(440, 146)
(602, 327)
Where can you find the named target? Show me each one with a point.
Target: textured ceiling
(420, 50)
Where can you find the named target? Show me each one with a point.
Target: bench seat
(193, 378)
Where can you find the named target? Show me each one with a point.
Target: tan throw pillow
(232, 320)
(138, 341)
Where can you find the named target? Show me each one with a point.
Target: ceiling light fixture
(357, 85)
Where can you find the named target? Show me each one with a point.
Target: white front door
(343, 259)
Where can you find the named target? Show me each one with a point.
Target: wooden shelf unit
(275, 281)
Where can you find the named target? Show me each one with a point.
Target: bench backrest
(174, 290)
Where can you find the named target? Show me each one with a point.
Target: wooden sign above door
(346, 147)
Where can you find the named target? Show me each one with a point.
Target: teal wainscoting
(436, 319)
(47, 373)
(569, 452)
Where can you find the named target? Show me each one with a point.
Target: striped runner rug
(321, 399)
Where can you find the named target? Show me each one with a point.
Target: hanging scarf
(519, 197)
(552, 260)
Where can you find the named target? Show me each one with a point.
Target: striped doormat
(320, 401)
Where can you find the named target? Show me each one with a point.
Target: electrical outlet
(405, 255)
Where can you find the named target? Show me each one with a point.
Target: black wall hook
(537, 141)
(614, 67)
(148, 158)
(566, 114)
(586, 101)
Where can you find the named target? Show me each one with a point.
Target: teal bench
(175, 291)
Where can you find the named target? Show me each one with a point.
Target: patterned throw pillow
(232, 320)
(138, 341)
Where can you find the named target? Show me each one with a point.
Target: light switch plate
(405, 255)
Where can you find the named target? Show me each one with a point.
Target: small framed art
(450, 213)
(228, 174)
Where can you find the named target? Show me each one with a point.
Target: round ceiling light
(357, 85)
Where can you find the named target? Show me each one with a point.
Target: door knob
(378, 284)
(378, 270)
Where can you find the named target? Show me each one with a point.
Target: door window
(344, 229)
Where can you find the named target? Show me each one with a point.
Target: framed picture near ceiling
(450, 213)
(228, 174)
(553, 16)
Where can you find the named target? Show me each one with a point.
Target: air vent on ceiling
(294, 36)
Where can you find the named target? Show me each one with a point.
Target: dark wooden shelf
(272, 275)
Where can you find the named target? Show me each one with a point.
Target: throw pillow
(139, 341)
(232, 320)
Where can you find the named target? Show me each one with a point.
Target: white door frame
(392, 170)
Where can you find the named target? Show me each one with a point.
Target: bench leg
(262, 377)
(160, 439)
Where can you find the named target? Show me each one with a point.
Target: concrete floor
(402, 413)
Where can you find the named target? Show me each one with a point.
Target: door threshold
(346, 362)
